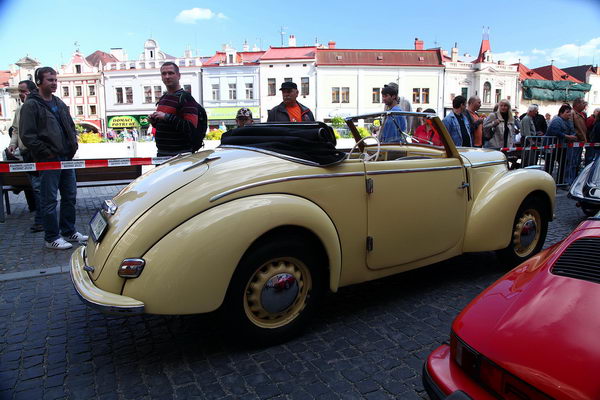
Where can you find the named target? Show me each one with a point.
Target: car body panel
(538, 326)
(204, 270)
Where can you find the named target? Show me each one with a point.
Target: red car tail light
(131, 267)
(494, 378)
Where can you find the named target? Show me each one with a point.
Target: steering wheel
(365, 155)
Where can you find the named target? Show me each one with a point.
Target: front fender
(188, 270)
(490, 222)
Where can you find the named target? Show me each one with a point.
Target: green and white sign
(216, 113)
(127, 121)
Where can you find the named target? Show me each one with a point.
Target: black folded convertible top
(311, 141)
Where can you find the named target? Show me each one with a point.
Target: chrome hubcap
(279, 292)
(527, 233)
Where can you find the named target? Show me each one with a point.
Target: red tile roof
(429, 58)
(485, 46)
(244, 57)
(293, 53)
(552, 73)
(4, 78)
(526, 73)
(99, 56)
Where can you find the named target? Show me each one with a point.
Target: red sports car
(534, 334)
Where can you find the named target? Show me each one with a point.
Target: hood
(541, 327)
(167, 196)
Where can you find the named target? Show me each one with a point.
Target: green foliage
(80, 129)
(338, 122)
(214, 134)
(364, 132)
(337, 134)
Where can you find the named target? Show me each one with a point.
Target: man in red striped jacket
(176, 115)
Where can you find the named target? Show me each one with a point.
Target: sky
(534, 32)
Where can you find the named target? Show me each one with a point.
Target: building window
(287, 79)
(345, 95)
(119, 92)
(376, 95)
(147, 94)
(92, 110)
(187, 88)
(157, 93)
(416, 95)
(79, 110)
(129, 94)
(232, 91)
(78, 69)
(78, 91)
(498, 95)
(272, 86)
(464, 92)
(230, 59)
(425, 95)
(304, 86)
(216, 92)
(487, 93)
(250, 91)
(91, 90)
(65, 91)
(335, 95)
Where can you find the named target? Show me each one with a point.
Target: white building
(132, 87)
(588, 74)
(24, 69)
(349, 81)
(491, 81)
(280, 64)
(230, 80)
(80, 87)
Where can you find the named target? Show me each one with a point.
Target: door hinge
(369, 185)
(369, 243)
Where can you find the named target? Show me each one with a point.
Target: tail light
(494, 378)
(131, 267)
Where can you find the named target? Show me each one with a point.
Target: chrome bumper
(97, 298)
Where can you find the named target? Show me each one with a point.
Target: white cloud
(194, 14)
(570, 53)
(512, 57)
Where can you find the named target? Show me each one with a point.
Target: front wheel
(528, 233)
(274, 291)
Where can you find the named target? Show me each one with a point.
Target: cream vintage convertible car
(262, 226)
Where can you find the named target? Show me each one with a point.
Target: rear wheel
(528, 233)
(274, 291)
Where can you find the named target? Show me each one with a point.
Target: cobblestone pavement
(368, 341)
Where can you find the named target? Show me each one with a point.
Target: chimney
(419, 44)
(187, 53)
(454, 53)
(292, 41)
(331, 44)
(245, 46)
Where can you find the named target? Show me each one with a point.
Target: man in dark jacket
(290, 110)
(48, 131)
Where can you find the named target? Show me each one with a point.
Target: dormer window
(77, 69)
(151, 54)
(379, 58)
(339, 58)
(421, 58)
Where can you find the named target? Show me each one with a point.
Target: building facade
(230, 80)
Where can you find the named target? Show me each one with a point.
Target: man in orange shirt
(475, 120)
(290, 110)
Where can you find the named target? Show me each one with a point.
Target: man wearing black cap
(290, 110)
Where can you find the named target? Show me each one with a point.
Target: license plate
(98, 225)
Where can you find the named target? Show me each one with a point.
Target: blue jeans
(51, 182)
(36, 182)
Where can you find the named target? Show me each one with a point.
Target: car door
(416, 209)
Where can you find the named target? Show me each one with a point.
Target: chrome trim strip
(272, 153)
(487, 163)
(409, 170)
(201, 162)
(286, 179)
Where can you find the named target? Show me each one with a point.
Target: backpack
(199, 133)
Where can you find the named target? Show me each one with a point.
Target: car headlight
(495, 379)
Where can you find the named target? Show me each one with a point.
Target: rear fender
(188, 270)
(489, 226)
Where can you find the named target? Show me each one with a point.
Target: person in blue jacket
(393, 125)
(457, 123)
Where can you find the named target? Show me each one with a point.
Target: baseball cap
(288, 85)
(244, 112)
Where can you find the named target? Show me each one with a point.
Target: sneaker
(59, 244)
(76, 237)
(36, 228)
